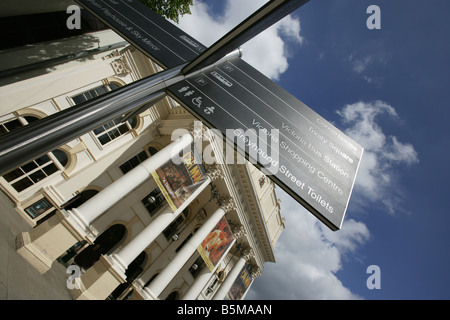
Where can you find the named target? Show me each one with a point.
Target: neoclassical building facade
(95, 203)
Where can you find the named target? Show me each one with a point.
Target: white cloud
(308, 257)
(309, 254)
(376, 176)
(272, 42)
(367, 60)
(359, 65)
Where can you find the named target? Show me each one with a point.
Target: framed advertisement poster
(216, 243)
(240, 285)
(177, 180)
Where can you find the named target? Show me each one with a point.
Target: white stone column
(128, 253)
(157, 286)
(107, 273)
(229, 280)
(200, 282)
(105, 199)
(45, 243)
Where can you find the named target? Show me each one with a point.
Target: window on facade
(210, 289)
(174, 226)
(93, 93)
(61, 156)
(152, 151)
(137, 159)
(197, 267)
(90, 94)
(36, 170)
(189, 236)
(184, 242)
(133, 162)
(10, 125)
(153, 201)
(112, 129)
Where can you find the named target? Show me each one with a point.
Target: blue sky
(387, 89)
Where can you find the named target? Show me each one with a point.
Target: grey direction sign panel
(156, 37)
(301, 151)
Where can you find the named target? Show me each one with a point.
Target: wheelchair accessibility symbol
(197, 101)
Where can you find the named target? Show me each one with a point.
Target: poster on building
(216, 243)
(240, 285)
(178, 178)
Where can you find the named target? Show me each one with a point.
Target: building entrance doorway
(104, 244)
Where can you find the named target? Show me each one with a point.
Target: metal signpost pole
(301, 152)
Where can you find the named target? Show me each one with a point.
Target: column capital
(255, 271)
(247, 253)
(196, 130)
(227, 204)
(214, 172)
(238, 230)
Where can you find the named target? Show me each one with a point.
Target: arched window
(32, 172)
(15, 123)
(112, 129)
(113, 86)
(152, 151)
(93, 93)
(61, 156)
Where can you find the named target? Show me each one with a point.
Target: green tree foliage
(171, 9)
